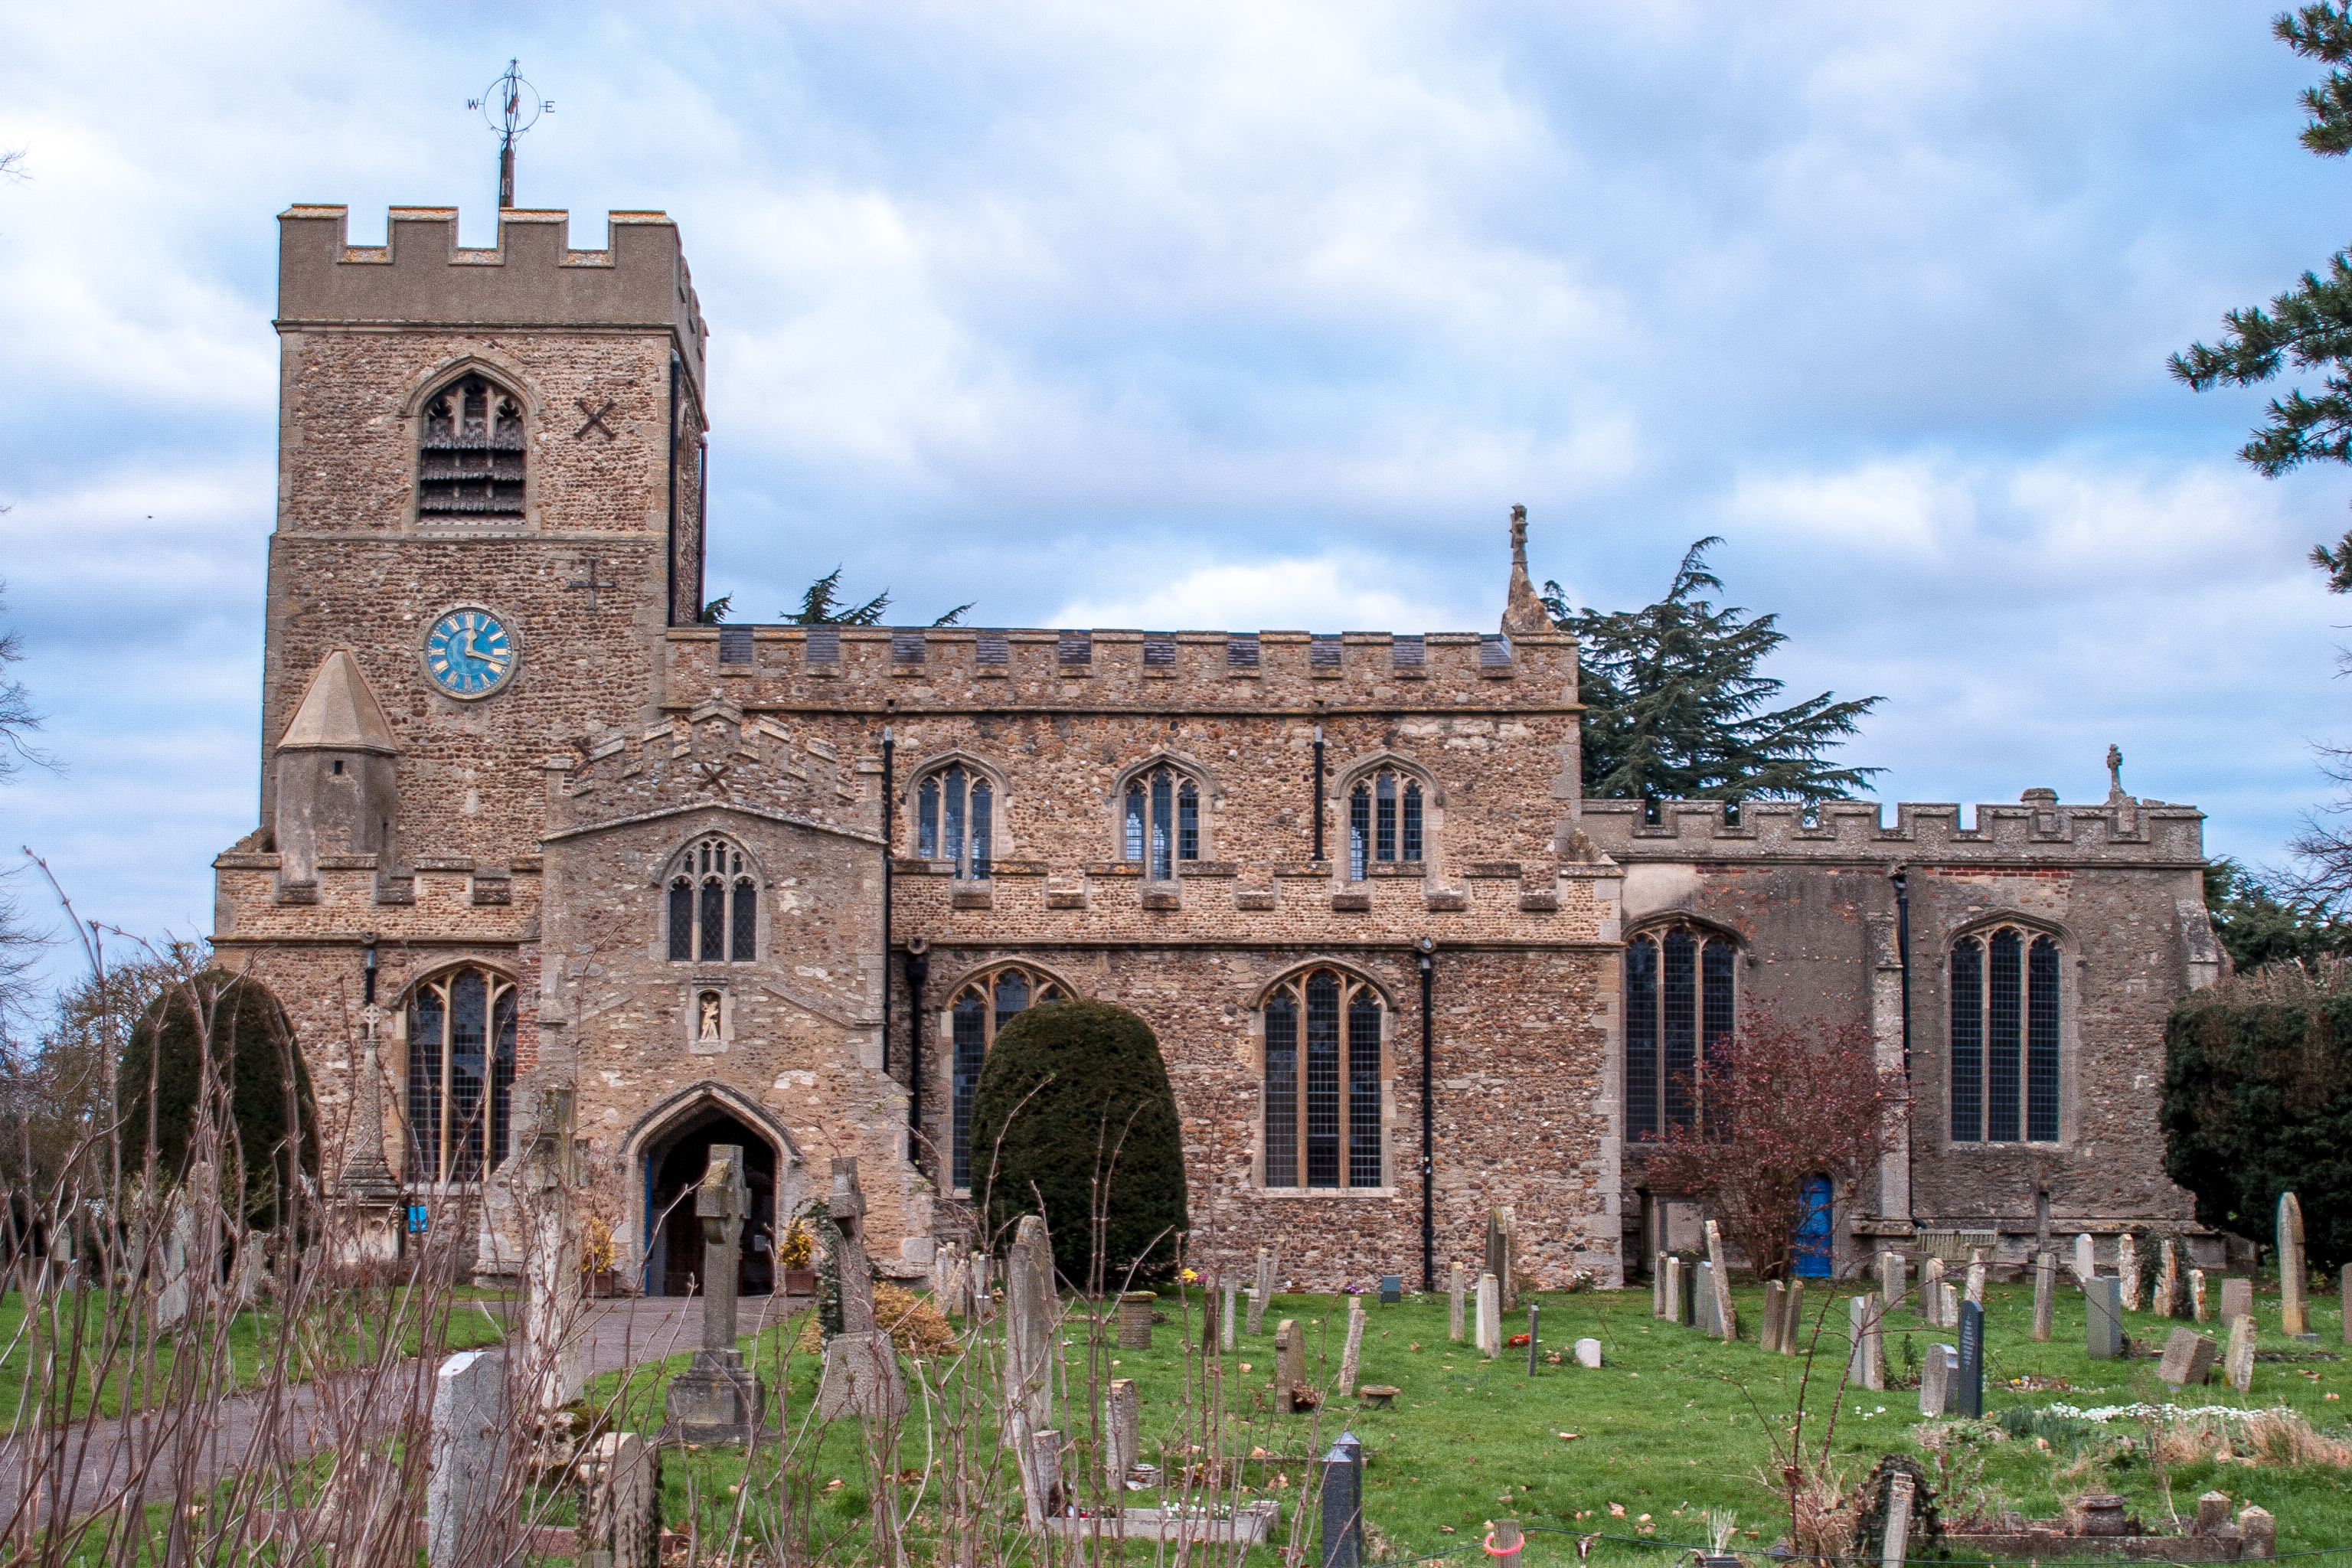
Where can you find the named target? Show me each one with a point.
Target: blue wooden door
(1813, 1231)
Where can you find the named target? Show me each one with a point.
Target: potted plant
(796, 1256)
(596, 1257)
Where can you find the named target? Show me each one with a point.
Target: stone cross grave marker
(1351, 1355)
(1968, 1387)
(1936, 1373)
(1792, 1319)
(717, 1401)
(2237, 1299)
(1931, 1293)
(2085, 1259)
(2127, 1269)
(861, 1375)
(1033, 1314)
(1226, 1326)
(2241, 1355)
(1490, 1315)
(1865, 1367)
(1135, 1309)
(1290, 1369)
(1776, 1315)
(2102, 1318)
(2187, 1358)
(1123, 1433)
(620, 1509)
(2045, 1291)
(1725, 1323)
(467, 1468)
(2293, 1266)
(1454, 1287)
(2197, 1306)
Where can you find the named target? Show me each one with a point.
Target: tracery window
(470, 454)
(461, 1067)
(2004, 1037)
(1323, 1083)
(1680, 1011)
(714, 905)
(955, 819)
(1161, 821)
(1384, 821)
(984, 1005)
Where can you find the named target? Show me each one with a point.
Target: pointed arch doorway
(672, 1151)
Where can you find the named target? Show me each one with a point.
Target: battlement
(2038, 828)
(882, 669)
(420, 276)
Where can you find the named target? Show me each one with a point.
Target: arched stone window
(471, 454)
(713, 913)
(1384, 821)
(955, 818)
(1324, 1082)
(1160, 820)
(1680, 1012)
(461, 1069)
(983, 1005)
(2004, 1087)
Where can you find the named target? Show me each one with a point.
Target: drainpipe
(889, 852)
(1319, 792)
(1428, 1123)
(1903, 955)
(918, 968)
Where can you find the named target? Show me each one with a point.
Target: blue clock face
(470, 653)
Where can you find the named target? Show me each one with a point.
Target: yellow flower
(1189, 1276)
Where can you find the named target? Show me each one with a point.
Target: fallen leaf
(1616, 1511)
(1570, 1436)
(1445, 1529)
(1245, 1366)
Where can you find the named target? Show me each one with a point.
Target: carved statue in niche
(710, 1030)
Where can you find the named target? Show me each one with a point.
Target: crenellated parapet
(2038, 829)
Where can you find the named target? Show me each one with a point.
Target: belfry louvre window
(2005, 1037)
(461, 1069)
(470, 458)
(714, 906)
(1159, 821)
(955, 817)
(1679, 1014)
(1323, 1083)
(1384, 821)
(985, 1004)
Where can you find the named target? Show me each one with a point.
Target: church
(531, 836)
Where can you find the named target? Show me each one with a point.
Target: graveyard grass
(1671, 1425)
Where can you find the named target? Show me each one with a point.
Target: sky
(1243, 315)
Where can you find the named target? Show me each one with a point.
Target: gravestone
(1351, 1355)
(2257, 1532)
(1263, 1294)
(1952, 1311)
(2102, 1318)
(2085, 1259)
(717, 1401)
(2170, 1294)
(1392, 1290)
(1725, 1323)
(2241, 1365)
(1896, 1546)
(1588, 1352)
(2046, 1288)
(1792, 1319)
(173, 1301)
(1226, 1326)
(2293, 1269)
(2187, 1358)
(1135, 1309)
(1658, 1285)
(1048, 1497)
(1502, 1252)
(1122, 1434)
(1675, 1313)
(1865, 1363)
(620, 1509)
(1931, 1293)
(552, 1266)
(1454, 1287)
(1968, 1373)
(1703, 1301)
(1342, 1500)
(467, 1466)
(1936, 1375)
(2127, 1269)
(2237, 1299)
(1290, 1392)
(2212, 1512)
(1776, 1315)
(1490, 1315)
(1033, 1314)
(1893, 1279)
(1975, 1283)
(2197, 1306)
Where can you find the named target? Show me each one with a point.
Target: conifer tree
(822, 605)
(2310, 326)
(1674, 709)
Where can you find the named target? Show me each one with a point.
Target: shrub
(1072, 1090)
(253, 1052)
(2258, 1102)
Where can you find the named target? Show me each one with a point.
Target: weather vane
(512, 106)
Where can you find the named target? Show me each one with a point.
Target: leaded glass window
(2004, 1037)
(471, 454)
(1384, 822)
(981, 1007)
(1681, 1012)
(1159, 822)
(1323, 1095)
(713, 908)
(955, 819)
(461, 1069)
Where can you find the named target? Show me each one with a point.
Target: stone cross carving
(720, 1204)
(593, 581)
(2115, 771)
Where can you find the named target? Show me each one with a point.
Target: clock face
(470, 653)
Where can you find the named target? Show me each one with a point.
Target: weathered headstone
(1674, 1290)
(2257, 1532)
(1122, 1434)
(1502, 1252)
(1052, 1498)
(2087, 1259)
(2046, 1288)
(2102, 1318)
(2293, 1269)
(1968, 1369)
(1135, 1309)
(1893, 1279)
(1931, 1293)
(2237, 1299)
(1033, 1314)
(2241, 1364)
(1263, 1294)
(1454, 1289)
(1290, 1392)
(1342, 1500)
(718, 1401)
(1776, 1315)
(2199, 1308)
(1658, 1285)
(1227, 1326)
(1588, 1352)
(620, 1512)
(1865, 1367)
(1897, 1547)
(1490, 1315)
(2127, 1269)
(1792, 1319)
(1935, 1375)
(466, 1469)
(1976, 1284)
(1950, 1317)
(2187, 1358)
(1703, 1301)
(1352, 1354)
(1725, 1323)
(2212, 1512)
(2170, 1294)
